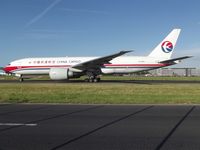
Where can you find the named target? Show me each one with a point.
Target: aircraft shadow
(149, 82)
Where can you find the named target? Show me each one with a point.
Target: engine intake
(60, 73)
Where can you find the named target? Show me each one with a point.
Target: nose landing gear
(21, 79)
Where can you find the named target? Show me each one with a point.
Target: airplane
(64, 68)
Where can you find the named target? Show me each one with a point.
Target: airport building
(175, 72)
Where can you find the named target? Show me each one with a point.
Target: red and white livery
(64, 68)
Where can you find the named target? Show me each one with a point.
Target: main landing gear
(93, 79)
(93, 76)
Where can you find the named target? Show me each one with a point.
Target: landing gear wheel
(96, 80)
(92, 77)
(21, 79)
(91, 80)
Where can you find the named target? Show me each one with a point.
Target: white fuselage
(122, 64)
(69, 67)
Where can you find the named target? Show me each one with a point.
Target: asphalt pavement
(99, 127)
(27, 81)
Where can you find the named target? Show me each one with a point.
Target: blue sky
(37, 28)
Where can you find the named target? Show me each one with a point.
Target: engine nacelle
(60, 73)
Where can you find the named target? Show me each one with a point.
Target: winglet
(124, 52)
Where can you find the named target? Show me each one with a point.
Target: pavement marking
(18, 124)
(174, 129)
(51, 117)
(101, 127)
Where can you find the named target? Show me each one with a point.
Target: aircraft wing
(96, 63)
(175, 59)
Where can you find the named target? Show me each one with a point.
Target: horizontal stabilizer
(175, 59)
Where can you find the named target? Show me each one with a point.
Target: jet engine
(60, 74)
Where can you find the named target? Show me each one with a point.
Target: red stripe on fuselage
(10, 69)
(136, 65)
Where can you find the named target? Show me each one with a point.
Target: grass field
(102, 93)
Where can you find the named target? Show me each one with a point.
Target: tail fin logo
(167, 46)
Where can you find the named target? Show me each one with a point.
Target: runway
(99, 127)
(106, 81)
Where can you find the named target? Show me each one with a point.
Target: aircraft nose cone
(6, 69)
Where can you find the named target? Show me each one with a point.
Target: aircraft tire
(21, 79)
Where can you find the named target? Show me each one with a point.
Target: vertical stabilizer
(165, 49)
